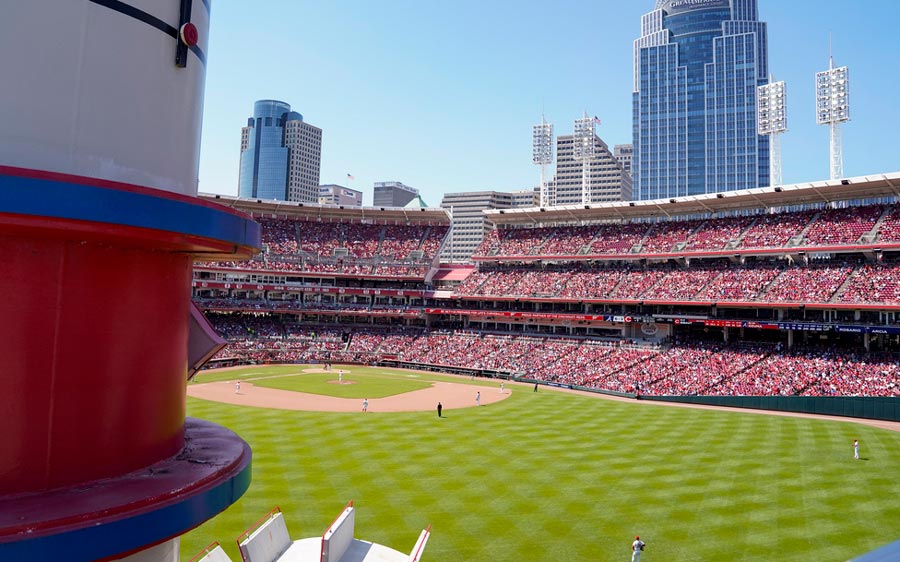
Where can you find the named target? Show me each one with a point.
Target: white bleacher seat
(212, 553)
(268, 542)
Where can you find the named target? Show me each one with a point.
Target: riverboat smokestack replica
(100, 222)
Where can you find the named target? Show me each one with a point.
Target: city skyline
(445, 100)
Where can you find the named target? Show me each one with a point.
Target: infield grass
(375, 382)
(551, 476)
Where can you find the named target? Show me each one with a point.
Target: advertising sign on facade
(676, 6)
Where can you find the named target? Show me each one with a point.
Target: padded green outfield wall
(867, 407)
(874, 408)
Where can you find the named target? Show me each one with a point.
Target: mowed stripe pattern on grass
(551, 476)
(376, 385)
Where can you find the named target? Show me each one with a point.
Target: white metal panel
(268, 542)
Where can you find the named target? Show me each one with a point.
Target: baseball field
(548, 475)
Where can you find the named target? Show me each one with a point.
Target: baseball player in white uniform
(636, 548)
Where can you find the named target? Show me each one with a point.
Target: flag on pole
(350, 177)
(596, 120)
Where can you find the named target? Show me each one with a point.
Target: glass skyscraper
(697, 65)
(280, 155)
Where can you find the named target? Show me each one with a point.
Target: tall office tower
(393, 194)
(624, 154)
(468, 224)
(607, 180)
(697, 66)
(280, 155)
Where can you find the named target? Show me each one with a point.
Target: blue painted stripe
(187, 496)
(54, 199)
(102, 541)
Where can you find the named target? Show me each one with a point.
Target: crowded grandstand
(789, 291)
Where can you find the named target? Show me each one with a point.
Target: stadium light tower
(772, 121)
(583, 151)
(542, 155)
(833, 108)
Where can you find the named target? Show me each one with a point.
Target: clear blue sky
(442, 95)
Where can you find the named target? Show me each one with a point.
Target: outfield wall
(867, 407)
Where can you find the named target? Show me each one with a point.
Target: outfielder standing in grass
(856, 449)
(636, 548)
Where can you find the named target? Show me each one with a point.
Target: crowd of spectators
(514, 241)
(843, 225)
(686, 368)
(813, 283)
(365, 249)
(815, 372)
(714, 234)
(663, 236)
(617, 239)
(310, 305)
(568, 241)
(776, 229)
(874, 283)
(889, 229)
(739, 284)
(279, 236)
(583, 283)
(683, 284)
(839, 226)
(819, 281)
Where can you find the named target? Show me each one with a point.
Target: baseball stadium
(770, 312)
(205, 378)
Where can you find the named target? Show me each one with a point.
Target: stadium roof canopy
(763, 198)
(263, 208)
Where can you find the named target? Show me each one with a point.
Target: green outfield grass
(550, 476)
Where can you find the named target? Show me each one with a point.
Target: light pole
(833, 108)
(772, 121)
(583, 149)
(542, 155)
